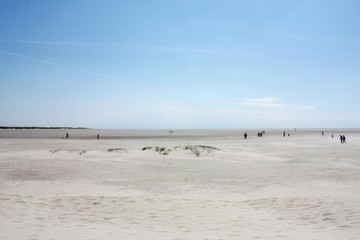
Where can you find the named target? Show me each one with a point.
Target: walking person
(245, 135)
(344, 139)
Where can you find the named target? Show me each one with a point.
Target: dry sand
(305, 186)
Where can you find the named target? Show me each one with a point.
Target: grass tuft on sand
(197, 150)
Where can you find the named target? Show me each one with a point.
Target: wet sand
(209, 184)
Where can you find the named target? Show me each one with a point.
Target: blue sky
(180, 63)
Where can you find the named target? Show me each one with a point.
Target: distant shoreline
(19, 128)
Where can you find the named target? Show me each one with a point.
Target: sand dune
(207, 187)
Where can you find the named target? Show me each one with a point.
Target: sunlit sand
(182, 185)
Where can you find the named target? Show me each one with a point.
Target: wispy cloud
(53, 63)
(113, 45)
(273, 102)
(264, 102)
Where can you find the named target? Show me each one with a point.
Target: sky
(180, 63)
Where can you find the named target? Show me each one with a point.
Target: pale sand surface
(305, 186)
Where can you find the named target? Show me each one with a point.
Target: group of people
(284, 134)
(260, 134)
(67, 136)
(342, 139)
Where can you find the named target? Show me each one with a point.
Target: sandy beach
(205, 184)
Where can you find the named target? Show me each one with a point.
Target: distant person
(288, 134)
(245, 135)
(67, 135)
(284, 134)
(332, 135)
(341, 139)
(344, 139)
(98, 136)
(322, 133)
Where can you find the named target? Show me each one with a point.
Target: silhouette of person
(341, 139)
(344, 139)
(332, 135)
(67, 135)
(322, 133)
(98, 136)
(245, 135)
(284, 134)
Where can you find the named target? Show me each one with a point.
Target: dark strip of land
(3, 127)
